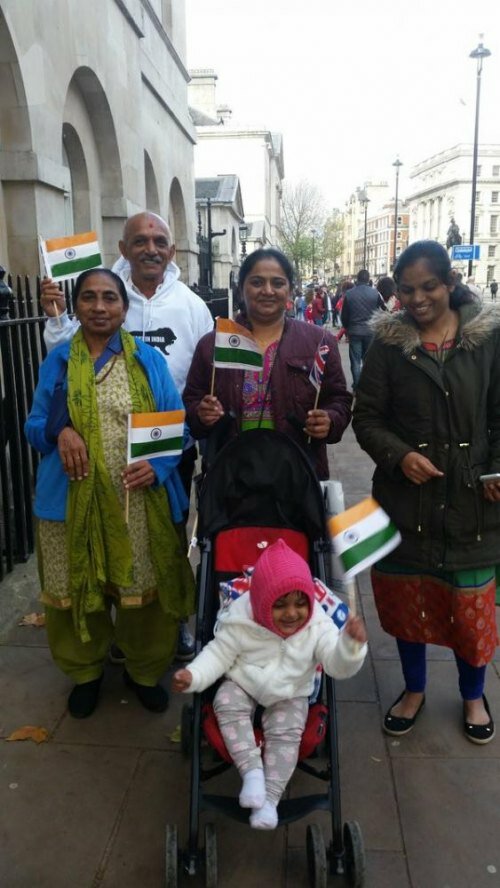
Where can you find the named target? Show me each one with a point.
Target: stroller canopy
(262, 478)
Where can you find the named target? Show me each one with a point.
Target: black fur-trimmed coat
(450, 412)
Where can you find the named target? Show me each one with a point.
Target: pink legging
(283, 725)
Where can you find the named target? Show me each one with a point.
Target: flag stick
(127, 503)
(351, 601)
(351, 596)
(212, 382)
(193, 542)
(314, 408)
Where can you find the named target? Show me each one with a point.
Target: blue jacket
(52, 483)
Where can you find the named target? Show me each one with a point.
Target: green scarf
(99, 549)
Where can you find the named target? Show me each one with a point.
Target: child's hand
(356, 629)
(182, 680)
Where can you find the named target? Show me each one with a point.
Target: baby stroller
(260, 487)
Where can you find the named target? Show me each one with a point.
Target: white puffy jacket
(270, 668)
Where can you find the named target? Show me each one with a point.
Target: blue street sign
(465, 251)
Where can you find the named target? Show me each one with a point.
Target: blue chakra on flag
(234, 341)
(350, 536)
(155, 434)
(70, 253)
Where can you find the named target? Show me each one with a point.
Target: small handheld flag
(362, 535)
(235, 347)
(155, 434)
(318, 367)
(66, 257)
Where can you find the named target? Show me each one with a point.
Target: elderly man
(163, 312)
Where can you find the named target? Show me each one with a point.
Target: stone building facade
(94, 124)
(380, 232)
(254, 154)
(442, 189)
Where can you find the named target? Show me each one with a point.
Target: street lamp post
(479, 53)
(243, 231)
(365, 201)
(397, 163)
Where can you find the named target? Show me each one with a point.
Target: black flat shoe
(396, 725)
(83, 698)
(480, 733)
(153, 698)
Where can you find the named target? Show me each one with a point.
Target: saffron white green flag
(155, 434)
(66, 257)
(235, 347)
(362, 535)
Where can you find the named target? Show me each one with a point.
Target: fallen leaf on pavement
(30, 732)
(32, 620)
(175, 736)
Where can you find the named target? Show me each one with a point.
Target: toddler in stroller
(268, 644)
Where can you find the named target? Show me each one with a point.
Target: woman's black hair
(386, 287)
(265, 253)
(107, 271)
(438, 260)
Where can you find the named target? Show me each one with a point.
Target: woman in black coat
(428, 413)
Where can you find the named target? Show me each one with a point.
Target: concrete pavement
(88, 808)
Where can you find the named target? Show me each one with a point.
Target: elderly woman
(89, 556)
(280, 396)
(428, 413)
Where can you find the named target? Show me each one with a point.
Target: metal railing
(21, 352)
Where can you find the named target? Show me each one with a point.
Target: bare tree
(332, 244)
(302, 210)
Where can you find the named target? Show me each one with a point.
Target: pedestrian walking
(427, 412)
(493, 289)
(360, 303)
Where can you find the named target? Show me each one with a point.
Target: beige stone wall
(94, 123)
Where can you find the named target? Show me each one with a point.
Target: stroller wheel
(187, 731)
(211, 874)
(316, 856)
(354, 854)
(171, 856)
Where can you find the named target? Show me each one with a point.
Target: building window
(493, 224)
(478, 196)
(478, 170)
(490, 273)
(400, 220)
(476, 224)
(494, 196)
(495, 170)
(491, 251)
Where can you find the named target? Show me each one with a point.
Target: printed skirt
(455, 609)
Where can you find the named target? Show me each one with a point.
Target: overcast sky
(352, 83)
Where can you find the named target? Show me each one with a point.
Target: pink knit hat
(278, 571)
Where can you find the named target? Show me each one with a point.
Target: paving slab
(451, 821)
(58, 807)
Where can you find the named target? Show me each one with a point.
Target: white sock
(253, 791)
(265, 817)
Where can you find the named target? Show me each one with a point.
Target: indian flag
(66, 257)
(362, 535)
(235, 347)
(155, 434)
